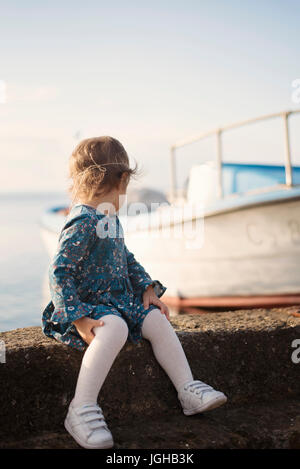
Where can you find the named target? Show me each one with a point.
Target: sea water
(24, 261)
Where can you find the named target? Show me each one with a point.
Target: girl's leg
(167, 347)
(98, 359)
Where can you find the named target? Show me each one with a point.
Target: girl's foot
(87, 426)
(196, 397)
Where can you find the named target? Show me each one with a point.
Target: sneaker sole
(106, 444)
(213, 404)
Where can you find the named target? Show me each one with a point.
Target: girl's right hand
(85, 327)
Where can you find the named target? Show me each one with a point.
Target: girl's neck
(108, 202)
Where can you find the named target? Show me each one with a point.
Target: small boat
(231, 239)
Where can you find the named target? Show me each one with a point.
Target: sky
(147, 73)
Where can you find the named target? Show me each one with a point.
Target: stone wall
(246, 354)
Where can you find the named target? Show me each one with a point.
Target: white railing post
(173, 176)
(288, 165)
(219, 163)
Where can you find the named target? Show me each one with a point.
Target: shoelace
(93, 416)
(198, 387)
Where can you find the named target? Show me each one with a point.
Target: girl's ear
(124, 180)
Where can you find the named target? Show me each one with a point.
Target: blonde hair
(96, 166)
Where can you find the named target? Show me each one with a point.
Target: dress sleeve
(74, 244)
(139, 278)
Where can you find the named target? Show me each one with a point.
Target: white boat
(249, 219)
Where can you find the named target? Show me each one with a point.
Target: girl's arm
(75, 243)
(140, 279)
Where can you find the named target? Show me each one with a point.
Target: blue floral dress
(93, 274)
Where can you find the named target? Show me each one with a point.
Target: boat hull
(249, 257)
(249, 252)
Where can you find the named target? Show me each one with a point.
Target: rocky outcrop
(246, 354)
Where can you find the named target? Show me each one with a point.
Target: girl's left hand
(149, 297)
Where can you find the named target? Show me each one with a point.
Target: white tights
(109, 340)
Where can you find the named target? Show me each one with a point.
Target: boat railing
(218, 132)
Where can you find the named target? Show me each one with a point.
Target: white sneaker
(87, 426)
(196, 397)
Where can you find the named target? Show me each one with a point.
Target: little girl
(101, 295)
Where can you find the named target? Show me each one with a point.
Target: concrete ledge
(246, 354)
(260, 426)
